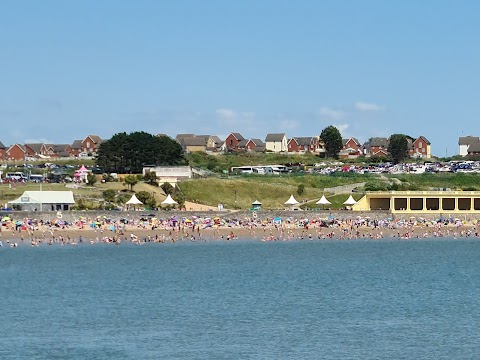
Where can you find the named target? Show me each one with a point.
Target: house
(376, 146)
(192, 143)
(232, 141)
(44, 200)
(474, 148)
(351, 149)
(464, 142)
(76, 148)
(303, 144)
(255, 145)
(215, 144)
(33, 150)
(421, 148)
(56, 150)
(15, 152)
(276, 143)
(91, 144)
(2, 151)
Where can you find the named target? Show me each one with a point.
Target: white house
(276, 143)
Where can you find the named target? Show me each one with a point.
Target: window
(420, 144)
(88, 144)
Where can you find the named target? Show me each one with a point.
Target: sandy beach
(91, 231)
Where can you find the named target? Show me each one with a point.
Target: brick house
(421, 148)
(33, 150)
(303, 144)
(15, 152)
(57, 150)
(76, 148)
(376, 146)
(255, 145)
(351, 149)
(91, 144)
(232, 141)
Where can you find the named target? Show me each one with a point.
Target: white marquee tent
(350, 201)
(169, 201)
(323, 201)
(134, 201)
(291, 201)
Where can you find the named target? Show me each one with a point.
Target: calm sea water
(242, 300)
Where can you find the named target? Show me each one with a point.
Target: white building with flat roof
(44, 200)
(170, 174)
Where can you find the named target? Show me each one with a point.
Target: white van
(16, 176)
(37, 178)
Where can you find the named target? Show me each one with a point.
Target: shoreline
(267, 233)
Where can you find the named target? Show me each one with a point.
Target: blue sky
(371, 68)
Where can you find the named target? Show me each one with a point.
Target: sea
(242, 299)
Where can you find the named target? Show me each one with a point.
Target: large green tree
(398, 147)
(333, 141)
(129, 153)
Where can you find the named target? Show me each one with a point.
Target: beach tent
(291, 201)
(323, 201)
(133, 201)
(350, 201)
(169, 201)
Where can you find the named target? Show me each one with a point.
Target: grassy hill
(272, 191)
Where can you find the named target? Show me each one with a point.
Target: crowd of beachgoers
(148, 228)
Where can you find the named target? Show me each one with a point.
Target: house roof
(2, 146)
(18, 145)
(242, 143)
(474, 147)
(274, 137)
(378, 142)
(45, 197)
(36, 147)
(467, 140)
(344, 141)
(257, 142)
(424, 139)
(304, 141)
(77, 145)
(237, 136)
(216, 139)
(193, 141)
(95, 138)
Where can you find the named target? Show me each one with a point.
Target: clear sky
(371, 68)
